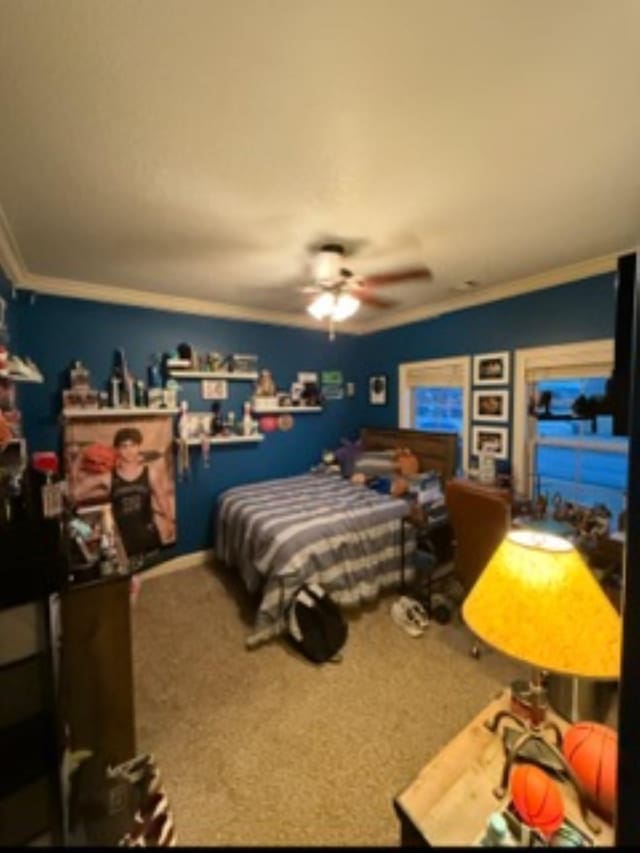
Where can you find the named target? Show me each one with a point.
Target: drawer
(25, 688)
(22, 632)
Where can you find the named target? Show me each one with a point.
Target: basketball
(537, 798)
(591, 749)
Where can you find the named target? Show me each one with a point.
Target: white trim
(583, 444)
(132, 411)
(222, 440)
(177, 564)
(581, 352)
(461, 362)
(11, 259)
(15, 268)
(491, 293)
(238, 375)
(164, 302)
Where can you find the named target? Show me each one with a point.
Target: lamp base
(531, 736)
(536, 751)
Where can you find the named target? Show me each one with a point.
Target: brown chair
(480, 517)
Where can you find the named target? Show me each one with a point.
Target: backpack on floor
(315, 625)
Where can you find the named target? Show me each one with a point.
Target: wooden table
(448, 803)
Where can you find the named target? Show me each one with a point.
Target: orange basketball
(592, 751)
(537, 798)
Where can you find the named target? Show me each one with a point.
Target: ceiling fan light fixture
(327, 263)
(338, 308)
(345, 307)
(322, 306)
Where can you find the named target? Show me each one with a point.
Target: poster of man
(127, 462)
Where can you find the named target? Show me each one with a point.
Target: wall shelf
(220, 440)
(15, 377)
(132, 412)
(237, 375)
(291, 410)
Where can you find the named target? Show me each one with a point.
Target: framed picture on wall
(214, 389)
(491, 405)
(493, 439)
(491, 368)
(378, 390)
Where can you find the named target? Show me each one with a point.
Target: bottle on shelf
(248, 423)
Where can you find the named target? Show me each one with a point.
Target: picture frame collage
(490, 404)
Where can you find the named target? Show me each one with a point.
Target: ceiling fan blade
(384, 279)
(375, 302)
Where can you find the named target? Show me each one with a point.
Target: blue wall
(54, 331)
(582, 310)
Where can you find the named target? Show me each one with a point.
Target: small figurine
(155, 375)
(265, 386)
(215, 361)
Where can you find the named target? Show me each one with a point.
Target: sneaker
(404, 615)
(417, 611)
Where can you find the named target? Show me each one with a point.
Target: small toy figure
(265, 386)
(155, 375)
(215, 361)
(248, 424)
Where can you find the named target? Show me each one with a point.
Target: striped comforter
(314, 527)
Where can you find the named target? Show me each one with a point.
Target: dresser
(30, 561)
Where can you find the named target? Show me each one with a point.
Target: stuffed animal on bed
(407, 462)
(347, 454)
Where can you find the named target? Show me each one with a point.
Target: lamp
(537, 601)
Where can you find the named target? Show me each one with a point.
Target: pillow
(376, 463)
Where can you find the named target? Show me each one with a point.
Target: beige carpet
(263, 748)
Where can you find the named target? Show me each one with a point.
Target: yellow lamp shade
(537, 601)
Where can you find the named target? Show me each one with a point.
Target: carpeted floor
(263, 748)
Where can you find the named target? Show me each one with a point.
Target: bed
(278, 534)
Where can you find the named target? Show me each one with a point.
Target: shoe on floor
(418, 613)
(403, 613)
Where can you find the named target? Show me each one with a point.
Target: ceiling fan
(336, 292)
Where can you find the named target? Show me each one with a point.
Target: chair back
(480, 517)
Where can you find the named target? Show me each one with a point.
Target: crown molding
(52, 286)
(11, 259)
(14, 266)
(492, 293)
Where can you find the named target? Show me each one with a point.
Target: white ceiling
(195, 148)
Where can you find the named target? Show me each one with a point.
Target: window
(561, 451)
(434, 396)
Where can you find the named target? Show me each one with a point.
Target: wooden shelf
(14, 377)
(238, 375)
(220, 440)
(292, 410)
(132, 411)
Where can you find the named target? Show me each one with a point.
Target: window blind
(568, 371)
(569, 361)
(435, 374)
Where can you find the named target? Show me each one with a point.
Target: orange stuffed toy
(407, 462)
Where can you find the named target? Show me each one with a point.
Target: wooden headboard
(436, 451)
